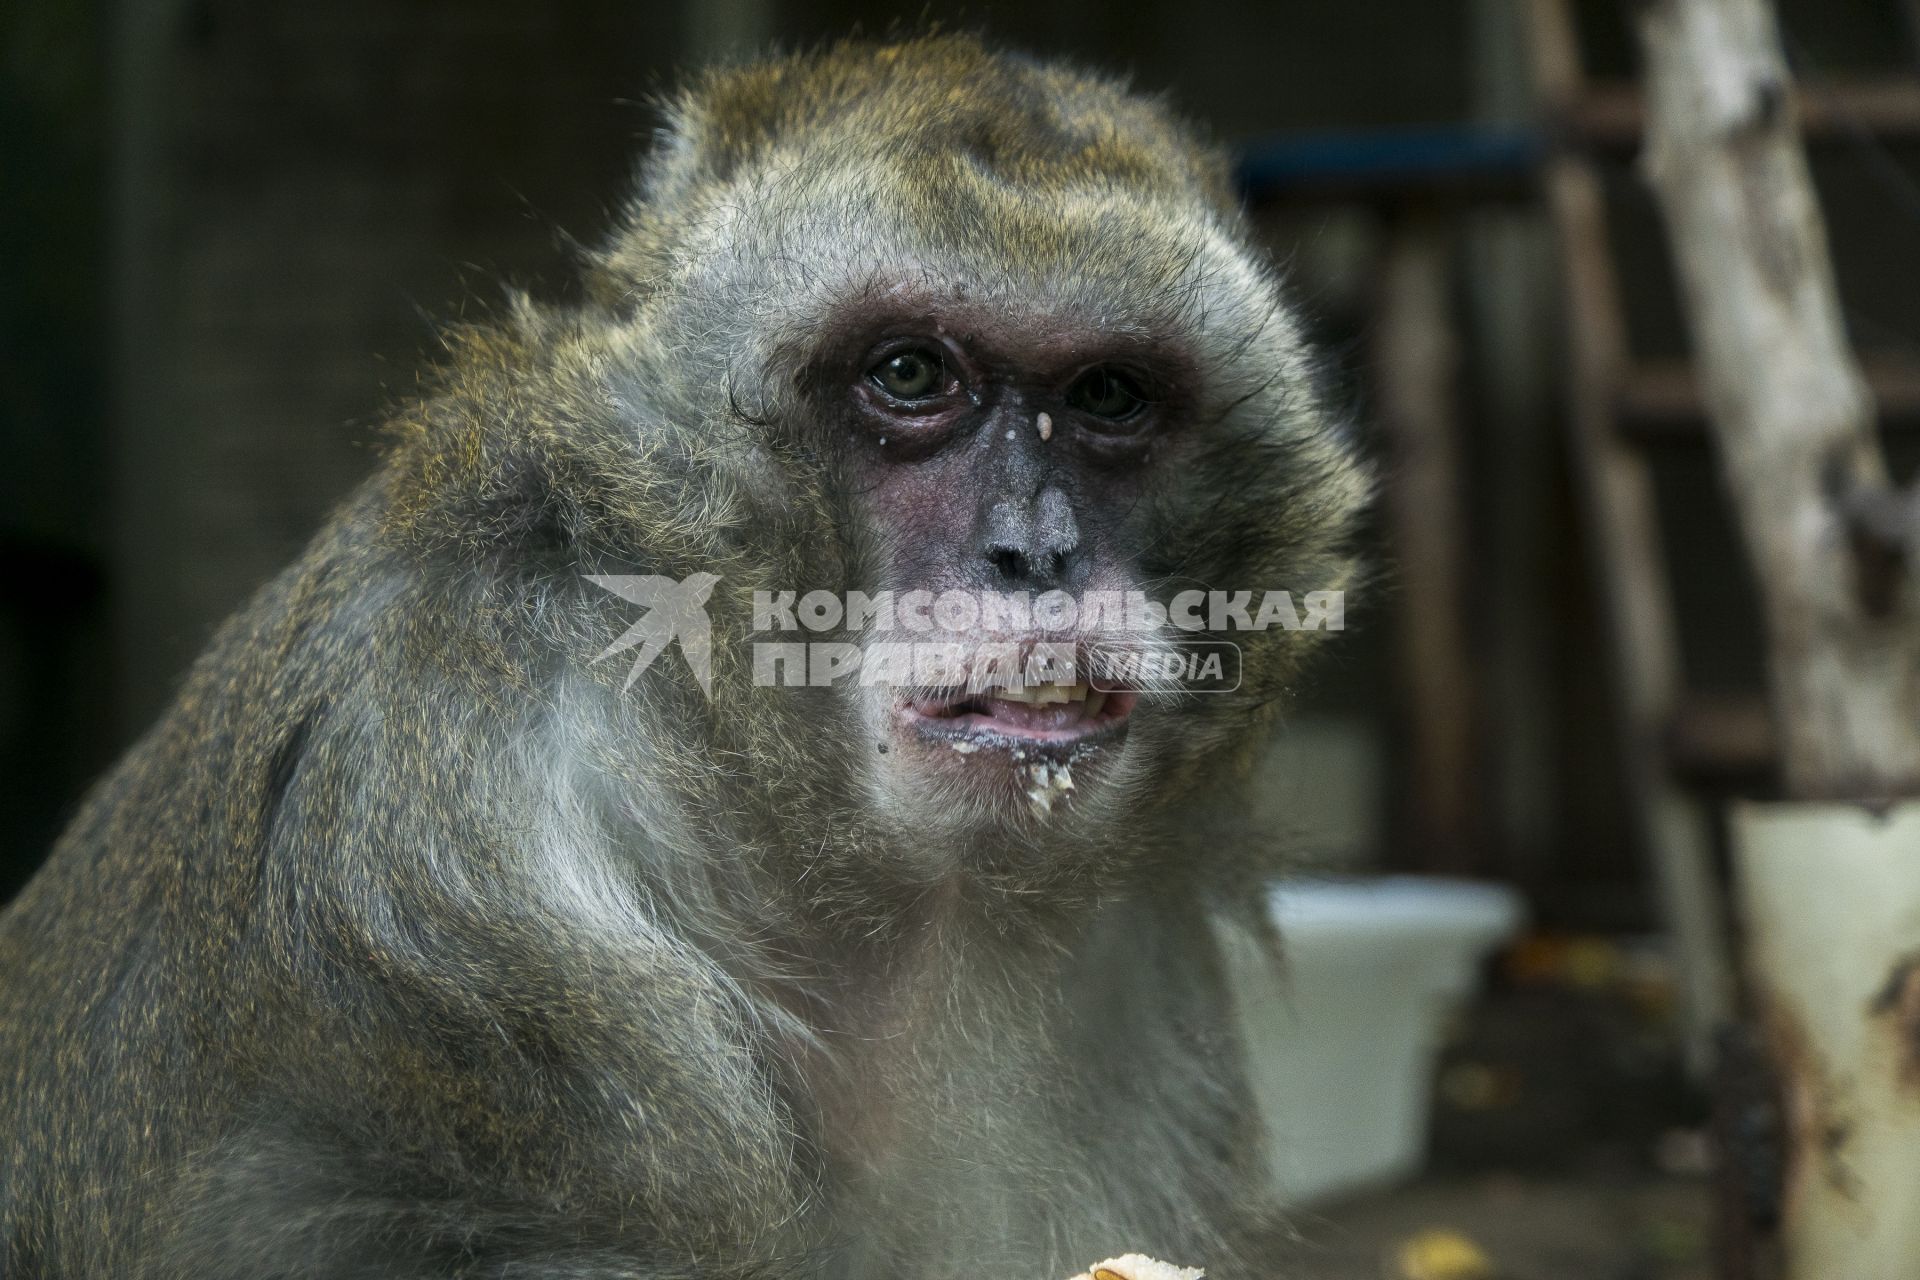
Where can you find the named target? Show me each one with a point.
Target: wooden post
(1832, 890)
(1418, 363)
(1616, 492)
(1790, 411)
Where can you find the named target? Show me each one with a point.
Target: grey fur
(408, 944)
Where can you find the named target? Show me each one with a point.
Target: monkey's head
(960, 323)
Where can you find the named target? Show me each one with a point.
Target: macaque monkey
(414, 941)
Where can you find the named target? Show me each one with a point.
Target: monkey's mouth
(1041, 716)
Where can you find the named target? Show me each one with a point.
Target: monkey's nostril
(1011, 562)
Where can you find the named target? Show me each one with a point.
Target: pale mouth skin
(1043, 721)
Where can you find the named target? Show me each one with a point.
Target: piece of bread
(1136, 1266)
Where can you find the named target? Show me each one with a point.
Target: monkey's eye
(914, 374)
(1107, 393)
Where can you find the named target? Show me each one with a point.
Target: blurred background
(228, 231)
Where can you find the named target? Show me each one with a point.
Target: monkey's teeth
(1044, 694)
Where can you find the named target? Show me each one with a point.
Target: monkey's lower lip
(1072, 722)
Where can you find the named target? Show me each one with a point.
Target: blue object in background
(1398, 161)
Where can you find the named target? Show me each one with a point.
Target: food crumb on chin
(1047, 782)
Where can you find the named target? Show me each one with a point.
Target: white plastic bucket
(1341, 1035)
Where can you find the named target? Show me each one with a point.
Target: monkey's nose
(1033, 544)
(1017, 566)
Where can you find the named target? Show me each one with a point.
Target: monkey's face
(1000, 462)
(997, 327)
(1033, 475)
